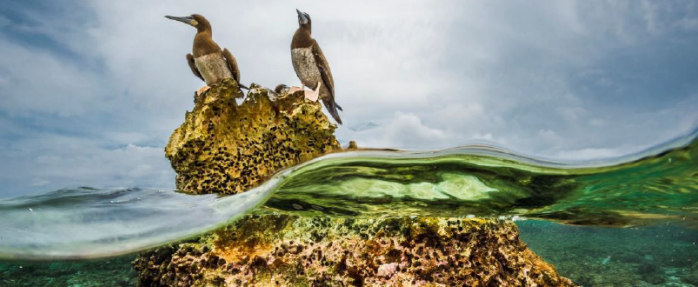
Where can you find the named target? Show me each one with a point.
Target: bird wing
(232, 65)
(324, 68)
(192, 66)
(327, 80)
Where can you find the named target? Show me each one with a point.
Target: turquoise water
(635, 216)
(661, 255)
(658, 255)
(111, 272)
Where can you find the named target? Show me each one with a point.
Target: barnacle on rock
(287, 250)
(226, 148)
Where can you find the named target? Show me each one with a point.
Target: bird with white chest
(312, 67)
(209, 62)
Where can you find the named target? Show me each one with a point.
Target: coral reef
(226, 148)
(287, 250)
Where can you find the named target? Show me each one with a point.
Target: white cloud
(408, 74)
(45, 162)
(572, 114)
(549, 135)
(36, 81)
(408, 129)
(94, 165)
(452, 65)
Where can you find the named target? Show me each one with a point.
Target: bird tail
(332, 107)
(243, 86)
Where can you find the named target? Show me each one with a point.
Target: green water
(651, 190)
(632, 221)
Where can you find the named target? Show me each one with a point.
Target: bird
(209, 62)
(312, 67)
(282, 88)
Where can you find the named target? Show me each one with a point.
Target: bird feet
(294, 89)
(202, 90)
(313, 95)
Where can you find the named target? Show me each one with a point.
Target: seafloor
(664, 255)
(115, 271)
(590, 256)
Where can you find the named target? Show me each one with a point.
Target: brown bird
(311, 66)
(209, 62)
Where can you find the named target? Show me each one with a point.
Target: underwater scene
(631, 222)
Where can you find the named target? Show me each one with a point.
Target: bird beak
(187, 20)
(302, 16)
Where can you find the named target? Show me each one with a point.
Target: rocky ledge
(286, 250)
(226, 148)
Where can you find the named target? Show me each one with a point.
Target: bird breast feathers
(212, 67)
(305, 66)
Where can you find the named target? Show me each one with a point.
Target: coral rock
(286, 250)
(226, 148)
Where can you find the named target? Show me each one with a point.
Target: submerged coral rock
(285, 250)
(226, 148)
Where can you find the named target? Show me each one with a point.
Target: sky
(91, 90)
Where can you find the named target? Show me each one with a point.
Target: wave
(657, 185)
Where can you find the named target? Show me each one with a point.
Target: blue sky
(90, 91)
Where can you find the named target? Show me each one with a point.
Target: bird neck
(203, 35)
(204, 44)
(302, 38)
(306, 28)
(204, 26)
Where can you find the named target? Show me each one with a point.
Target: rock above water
(287, 250)
(226, 148)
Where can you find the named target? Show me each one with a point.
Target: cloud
(548, 135)
(57, 162)
(408, 130)
(34, 81)
(572, 114)
(90, 91)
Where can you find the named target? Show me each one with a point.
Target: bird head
(195, 20)
(303, 19)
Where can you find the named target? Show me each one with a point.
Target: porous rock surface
(226, 148)
(287, 250)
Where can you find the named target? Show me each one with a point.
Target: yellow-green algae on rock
(226, 148)
(288, 250)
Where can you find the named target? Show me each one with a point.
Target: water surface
(653, 187)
